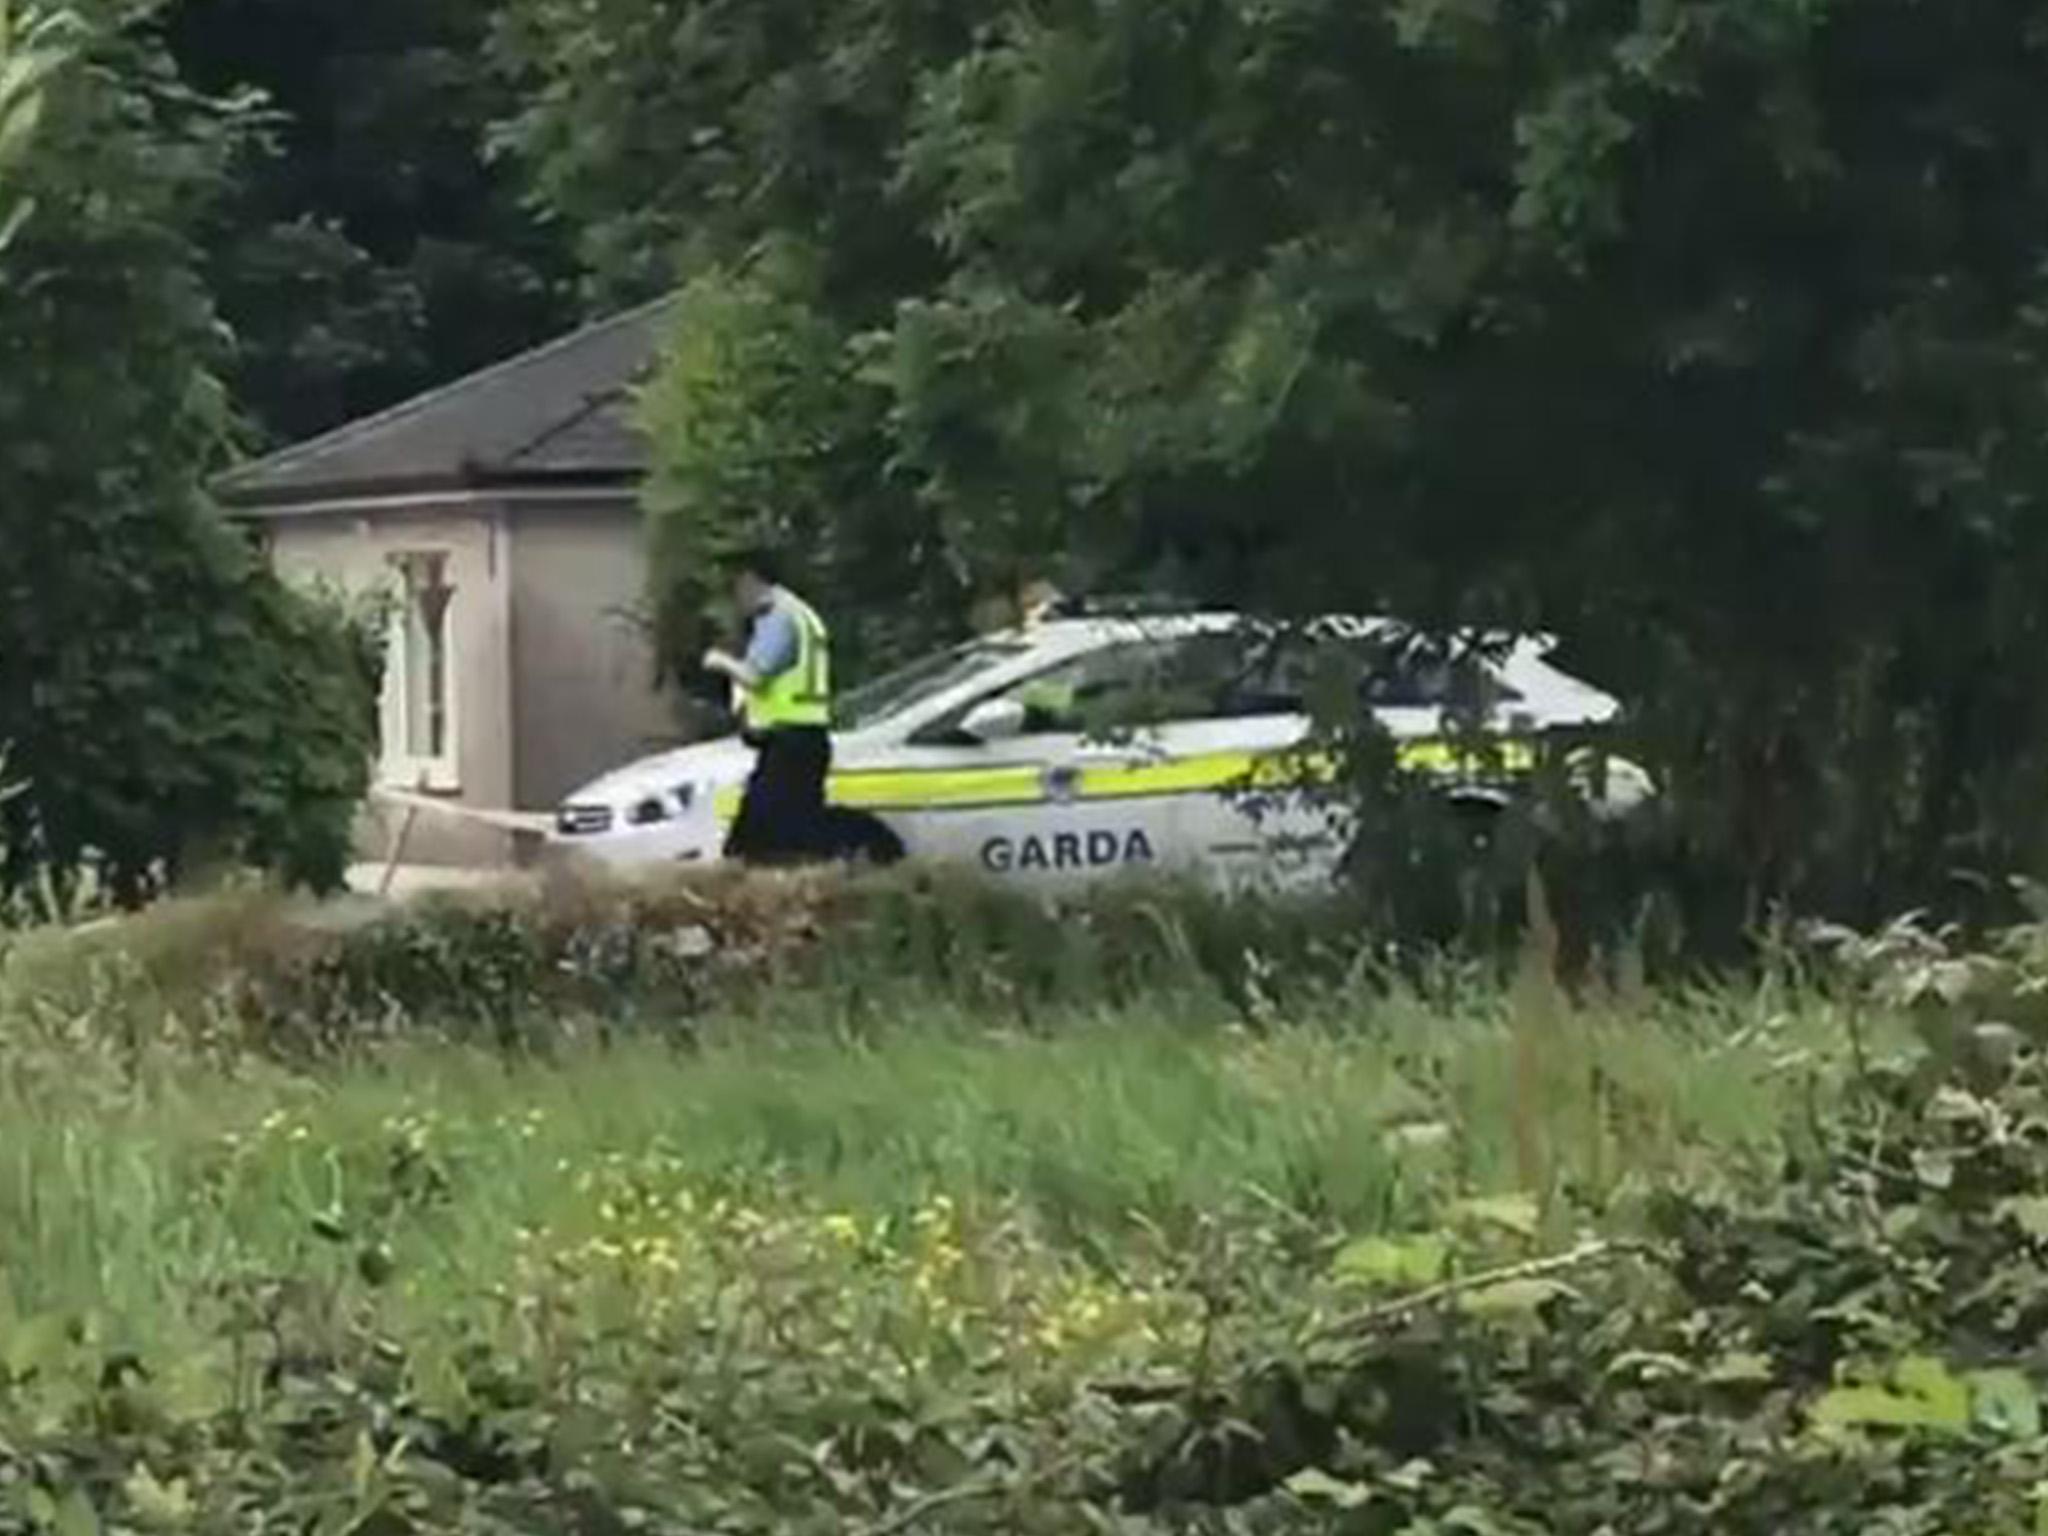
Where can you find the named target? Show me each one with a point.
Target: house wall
(584, 696)
(353, 551)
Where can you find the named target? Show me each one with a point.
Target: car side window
(1390, 674)
(1106, 691)
(1104, 694)
(1234, 675)
(1422, 676)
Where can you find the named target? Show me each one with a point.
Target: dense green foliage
(162, 698)
(764, 429)
(877, 1251)
(369, 249)
(1707, 335)
(669, 134)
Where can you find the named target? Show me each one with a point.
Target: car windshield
(927, 678)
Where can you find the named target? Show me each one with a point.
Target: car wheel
(859, 838)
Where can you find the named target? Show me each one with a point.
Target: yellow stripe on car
(917, 789)
(1015, 784)
(937, 788)
(1212, 772)
(1219, 771)
(1454, 756)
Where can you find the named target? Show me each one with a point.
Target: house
(500, 517)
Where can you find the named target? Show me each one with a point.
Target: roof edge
(425, 493)
(228, 482)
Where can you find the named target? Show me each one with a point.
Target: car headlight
(583, 820)
(653, 810)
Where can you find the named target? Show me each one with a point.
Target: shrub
(165, 701)
(527, 963)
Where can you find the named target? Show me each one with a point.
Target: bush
(164, 701)
(531, 963)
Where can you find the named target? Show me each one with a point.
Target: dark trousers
(782, 817)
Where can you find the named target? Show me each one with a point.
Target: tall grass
(1104, 1128)
(1115, 1080)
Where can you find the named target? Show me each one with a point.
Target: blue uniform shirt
(774, 644)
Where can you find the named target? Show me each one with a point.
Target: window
(1112, 691)
(921, 680)
(1098, 691)
(1424, 675)
(1243, 674)
(1389, 672)
(1216, 675)
(419, 693)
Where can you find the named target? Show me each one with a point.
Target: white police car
(1093, 744)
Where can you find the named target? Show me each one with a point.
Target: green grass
(141, 1201)
(803, 1228)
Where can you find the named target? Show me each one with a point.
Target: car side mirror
(994, 720)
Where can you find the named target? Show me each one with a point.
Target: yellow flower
(842, 1228)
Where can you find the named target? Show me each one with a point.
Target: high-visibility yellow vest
(802, 695)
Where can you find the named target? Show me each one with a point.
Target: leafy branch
(1391, 1313)
(35, 45)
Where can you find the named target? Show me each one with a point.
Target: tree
(765, 428)
(162, 698)
(1709, 335)
(369, 248)
(668, 135)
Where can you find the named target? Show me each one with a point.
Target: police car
(1095, 743)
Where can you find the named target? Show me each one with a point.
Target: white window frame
(401, 763)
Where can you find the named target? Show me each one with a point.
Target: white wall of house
(449, 726)
(538, 676)
(584, 696)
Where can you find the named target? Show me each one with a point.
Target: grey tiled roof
(561, 414)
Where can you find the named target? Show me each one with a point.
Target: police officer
(784, 681)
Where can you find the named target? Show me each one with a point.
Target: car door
(1259, 811)
(1081, 792)
(1251, 811)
